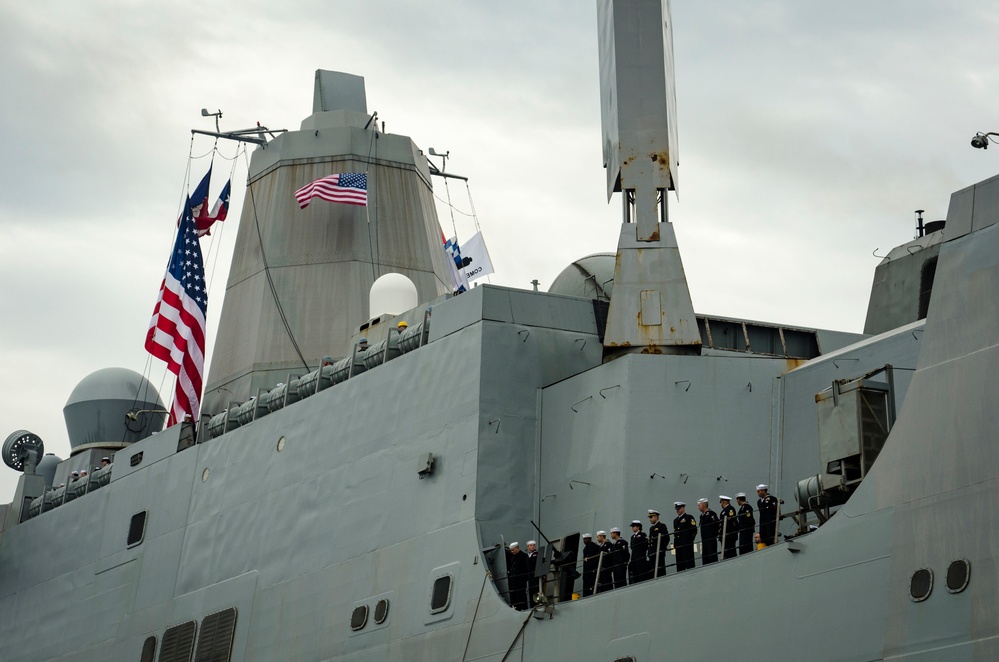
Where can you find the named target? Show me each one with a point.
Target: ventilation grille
(178, 642)
(215, 643)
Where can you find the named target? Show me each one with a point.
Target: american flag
(177, 330)
(348, 187)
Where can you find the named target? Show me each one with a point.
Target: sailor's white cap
(105, 458)
(74, 473)
(588, 535)
(677, 504)
(614, 529)
(532, 542)
(722, 497)
(515, 544)
(740, 495)
(602, 533)
(762, 486)
(653, 511)
(636, 522)
(702, 501)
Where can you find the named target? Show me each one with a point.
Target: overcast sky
(809, 132)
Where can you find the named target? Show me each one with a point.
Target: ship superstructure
(360, 510)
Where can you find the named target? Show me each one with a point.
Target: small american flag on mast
(177, 329)
(348, 187)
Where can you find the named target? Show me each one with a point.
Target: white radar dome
(392, 294)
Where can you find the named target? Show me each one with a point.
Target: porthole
(958, 575)
(280, 444)
(381, 611)
(440, 597)
(921, 584)
(204, 475)
(359, 617)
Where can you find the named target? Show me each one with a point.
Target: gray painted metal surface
(322, 260)
(326, 505)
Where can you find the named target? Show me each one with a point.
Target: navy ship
(362, 508)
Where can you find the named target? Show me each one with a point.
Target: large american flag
(177, 330)
(347, 187)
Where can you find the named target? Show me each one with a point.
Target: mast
(300, 278)
(650, 308)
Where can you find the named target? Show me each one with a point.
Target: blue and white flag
(475, 258)
(453, 252)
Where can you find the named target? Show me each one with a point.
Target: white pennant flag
(475, 258)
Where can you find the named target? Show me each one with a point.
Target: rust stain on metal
(654, 236)
(794, 363)
(662, 158)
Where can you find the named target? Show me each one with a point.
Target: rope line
(270, 280)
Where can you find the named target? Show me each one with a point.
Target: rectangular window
(440, 599)
(137, 529)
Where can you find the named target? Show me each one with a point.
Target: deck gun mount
(650, 309)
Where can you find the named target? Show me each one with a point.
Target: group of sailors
(613, 562)
(77, 475)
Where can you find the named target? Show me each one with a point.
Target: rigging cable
(148, 370)
(471, 625)
(475, 219)
(372, 250)
(221, 228)
(267, 271)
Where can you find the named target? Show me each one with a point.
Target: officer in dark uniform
(620, 556)
(591, 557)
(729, 527)
(747, 524)
(516, 568)
(709, 533)
(768, 506)
(684, 532)
(606, 580)
(658, 538)
(638, 569)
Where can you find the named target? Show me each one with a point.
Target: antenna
(217, 115)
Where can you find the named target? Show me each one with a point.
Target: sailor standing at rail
(619, 565)
(516, 569)
(638, 568)
(729, 527)
(684, 532)
(768, 506)
(709, 533)
(532, 564)
(591, 557)
(747, 524)
(532, 557)
(658, 539)
(606, 580)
